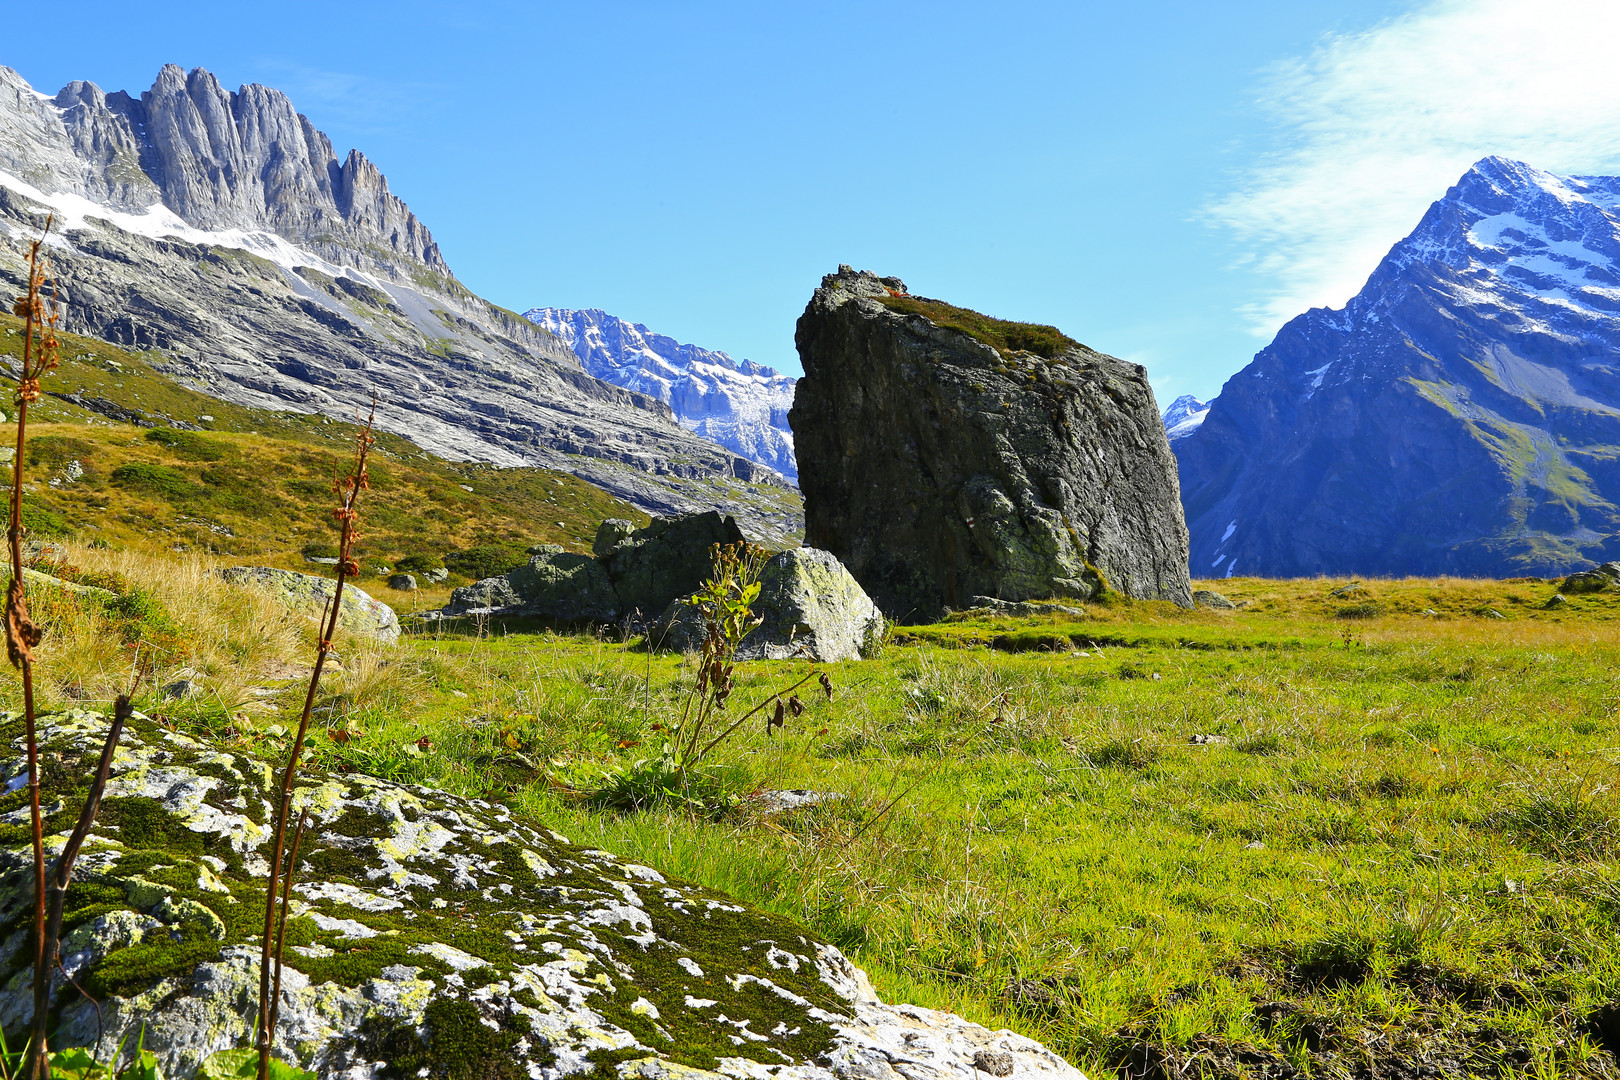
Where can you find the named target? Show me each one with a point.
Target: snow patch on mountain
(739, 404)
(1184, 416)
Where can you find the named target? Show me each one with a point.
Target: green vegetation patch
(1003, 336)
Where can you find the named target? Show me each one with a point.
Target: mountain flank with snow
(222, 232)
(1460, 415)
(1183, 416)
(739, 404)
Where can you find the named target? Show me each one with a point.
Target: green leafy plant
(724, 604)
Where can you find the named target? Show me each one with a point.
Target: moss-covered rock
(431, 936)
(310, 596)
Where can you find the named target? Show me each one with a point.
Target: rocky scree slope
(1460, 415)
(430, 936)
(221, 230)
(946, 455)
(739, 404)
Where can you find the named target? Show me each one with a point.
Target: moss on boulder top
(431, 936)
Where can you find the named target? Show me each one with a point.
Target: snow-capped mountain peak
(1184, 415)
(739, 404)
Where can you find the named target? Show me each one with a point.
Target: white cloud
(1372, 127)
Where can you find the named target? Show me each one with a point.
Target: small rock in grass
(1212, 599)
(1156, 676)
(402, 582)
(1254, 845)
(777, 802)
(1355, 588)
(181, 689)
(1558, 600)
(1492, 613)
(1207, 740)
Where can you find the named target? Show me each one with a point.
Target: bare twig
(348, 491)
(281, 924)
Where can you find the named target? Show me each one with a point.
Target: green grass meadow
(1276, 841)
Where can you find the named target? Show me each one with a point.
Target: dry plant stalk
(279, 886)
(41, 317)
(22, 633)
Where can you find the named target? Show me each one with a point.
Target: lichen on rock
(309, 596)
(808, 606)
(430, 935)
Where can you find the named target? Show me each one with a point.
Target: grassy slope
(256, 484)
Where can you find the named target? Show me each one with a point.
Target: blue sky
(1165, 181)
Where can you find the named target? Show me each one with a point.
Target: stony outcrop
(555, 585)
(809, 605)
(430, 935)
(634, 572)
(944, 455)
(223, 233)
(310, 595)
(669, 558)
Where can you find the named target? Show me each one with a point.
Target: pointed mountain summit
(1183, 416)
(221, 232)
(1460, 415)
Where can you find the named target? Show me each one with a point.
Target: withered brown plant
(279, 885)
(41, 317)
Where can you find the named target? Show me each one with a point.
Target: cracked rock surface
(939, 467)
(429, 934)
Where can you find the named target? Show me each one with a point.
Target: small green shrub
(189, 444)
(54, 451)
(485, 560)
(418, 564)
(154, 480)
(319, 549)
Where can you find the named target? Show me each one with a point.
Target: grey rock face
(310, 595)
(938, 468)
(809, 605)
(565, 587)
(402, 582)
(485, 596)
(417, 915)
(669, 558)
(265, 271)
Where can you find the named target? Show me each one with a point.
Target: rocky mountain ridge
(1460, 415)
(221, 232)
(739, 404)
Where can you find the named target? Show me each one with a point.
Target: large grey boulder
(809, 605)
(944, 455)
(430, 935)
(309, 596)
(669, 558)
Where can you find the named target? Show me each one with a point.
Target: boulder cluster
(809, 605)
